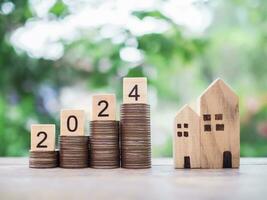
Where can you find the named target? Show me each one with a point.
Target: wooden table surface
(17, 181)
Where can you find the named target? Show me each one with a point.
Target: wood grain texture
(72, 122)
(219, 125)
(129, 85)
(43, 137)
(186, 139)
(162, 181)
(104, 107)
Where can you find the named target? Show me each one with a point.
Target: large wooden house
(219, 126)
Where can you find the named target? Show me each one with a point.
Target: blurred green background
(56, 54)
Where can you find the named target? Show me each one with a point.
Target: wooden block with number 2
(135, 90)
(43, 137)
(104, 107)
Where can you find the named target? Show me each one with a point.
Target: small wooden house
(219, 127)
(186, 142)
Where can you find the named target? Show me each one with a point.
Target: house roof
(219, 84)
(184, 109)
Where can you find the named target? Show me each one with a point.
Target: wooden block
(72, 122)
(104, 107)
(43, 137)
(186, 140)
(135, 90)
(219, 126)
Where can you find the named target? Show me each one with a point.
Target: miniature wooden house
(186, 143)
(219, 127)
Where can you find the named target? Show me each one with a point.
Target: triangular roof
(184, 109)
(219, 84)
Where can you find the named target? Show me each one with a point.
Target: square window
(185, 125)
(179, 126)
(219, 117)
(206, 117)
(185, 133)
(219, 127)
(207, 127)
(179, 134)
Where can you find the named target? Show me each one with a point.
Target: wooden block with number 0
(72, 123)
(104, 107)
(135, 90)
(43, 137)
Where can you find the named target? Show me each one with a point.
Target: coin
(105, 152)
(74, 151)
(43, 159)
(135, 136)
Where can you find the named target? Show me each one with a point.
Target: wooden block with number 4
(135, 90)
(43, 137)
(72, 122)
(104, 107)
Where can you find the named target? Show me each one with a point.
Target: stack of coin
(43, 159)
(74, 151)
(105, 144)
(89, 151)
(135, 136)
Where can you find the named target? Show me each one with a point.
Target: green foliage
(155, 14)
(163, 150)
(59, 9)
(250, 137)
(233, 47)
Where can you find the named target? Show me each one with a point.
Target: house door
(187, 164)
(227, 159)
